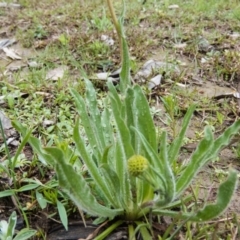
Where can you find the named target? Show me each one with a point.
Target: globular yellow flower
(137, 164)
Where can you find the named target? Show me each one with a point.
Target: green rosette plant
(130, 169)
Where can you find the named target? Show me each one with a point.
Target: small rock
(174, 6)
(152, 66)
(56, 73)
(180, 45)
(155, 81)
(107, 40)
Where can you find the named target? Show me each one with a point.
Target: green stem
(106, 233)
(131, 234)
(116, 25)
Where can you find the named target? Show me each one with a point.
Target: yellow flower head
(137, 164)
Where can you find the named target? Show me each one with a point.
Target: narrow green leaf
(143, 228)
(91, 165)
(21, 146)
(11, 224)
(125, 79)
(41, 200)
(113, 183)
(62, 214)
(122, 130)
(224, 138)
(35, 144)
(87, 123)
(106, 120)
(130, 120)
(121, 170)
(112, 227)
(28, 187)
(5, 169)
(143, 119)
(6, 148)
(224, 195)
(170, 213)
(169, 178)
(152, 153)
(123, 150)
(77, 188)
(25, 234)
(177, 143)
(6, 193)
(105, 155)
(206, 150)
(91, 101)
(198, 159)
(113, 92)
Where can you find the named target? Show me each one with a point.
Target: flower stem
(116, 25)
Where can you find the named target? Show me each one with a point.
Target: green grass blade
(224, 195)
(62, 214)
(5, 141)
(35, 144)
(21, 146)
(77, 188)
(177, 143)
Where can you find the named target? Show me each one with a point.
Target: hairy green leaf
(123, 131)
(177, 143)
(198, 159)
(169, 193)
(77, 188)
(224, 195)
(121, 170)
(125, 79)
(11, 224)
(88, 124)
(143, 119)
(25, 234)
(91, 164)
(63, 214)
(91, 101)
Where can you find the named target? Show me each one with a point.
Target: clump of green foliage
(126, 171)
